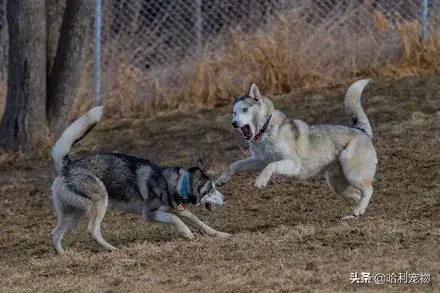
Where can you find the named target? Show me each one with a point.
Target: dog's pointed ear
(201, 164)
(254, 92)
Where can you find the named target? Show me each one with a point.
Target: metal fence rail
(144, 35)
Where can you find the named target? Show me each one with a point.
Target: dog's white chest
(267, 151)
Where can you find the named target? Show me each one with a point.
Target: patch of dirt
(287, 236)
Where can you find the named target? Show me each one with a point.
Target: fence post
(98, 26)
(424, 34)
(199, 28)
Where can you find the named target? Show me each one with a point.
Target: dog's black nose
(234, 124)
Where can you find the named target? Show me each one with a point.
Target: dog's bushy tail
(74, 133)
(353, 107)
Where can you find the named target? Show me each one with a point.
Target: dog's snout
(234, 124)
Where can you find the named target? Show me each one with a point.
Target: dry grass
(288, 237)
(417, 58)
(286, 54)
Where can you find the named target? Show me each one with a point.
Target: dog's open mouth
(247, 133)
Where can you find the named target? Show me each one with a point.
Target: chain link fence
(155, 33)
(150, 39)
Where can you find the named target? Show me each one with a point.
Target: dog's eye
(245, 110)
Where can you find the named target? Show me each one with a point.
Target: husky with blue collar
(84, 187)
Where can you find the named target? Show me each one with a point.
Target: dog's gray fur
(291, 147)
(84, 187)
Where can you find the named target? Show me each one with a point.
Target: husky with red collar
(290, 147)
(84, 187)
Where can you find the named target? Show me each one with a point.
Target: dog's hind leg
(67, 221)
(188, 218)
(339, 184)
(96, 215)
(367, 192)
(358, 162)
(70, 208)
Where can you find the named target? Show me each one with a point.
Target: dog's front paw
(223, 234)
(262, 180)
(223, 179)
(351, 216)
(188, 236)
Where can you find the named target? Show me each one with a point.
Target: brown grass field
(286, 237)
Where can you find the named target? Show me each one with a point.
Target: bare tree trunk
(54, 16)
(3, 44)
(24, 121)
(69, 60)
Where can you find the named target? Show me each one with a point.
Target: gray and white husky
(291, 147)
(84, 187)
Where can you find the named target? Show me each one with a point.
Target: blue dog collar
(185, 187)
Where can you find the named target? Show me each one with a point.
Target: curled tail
(353, 107)
(74, 133)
